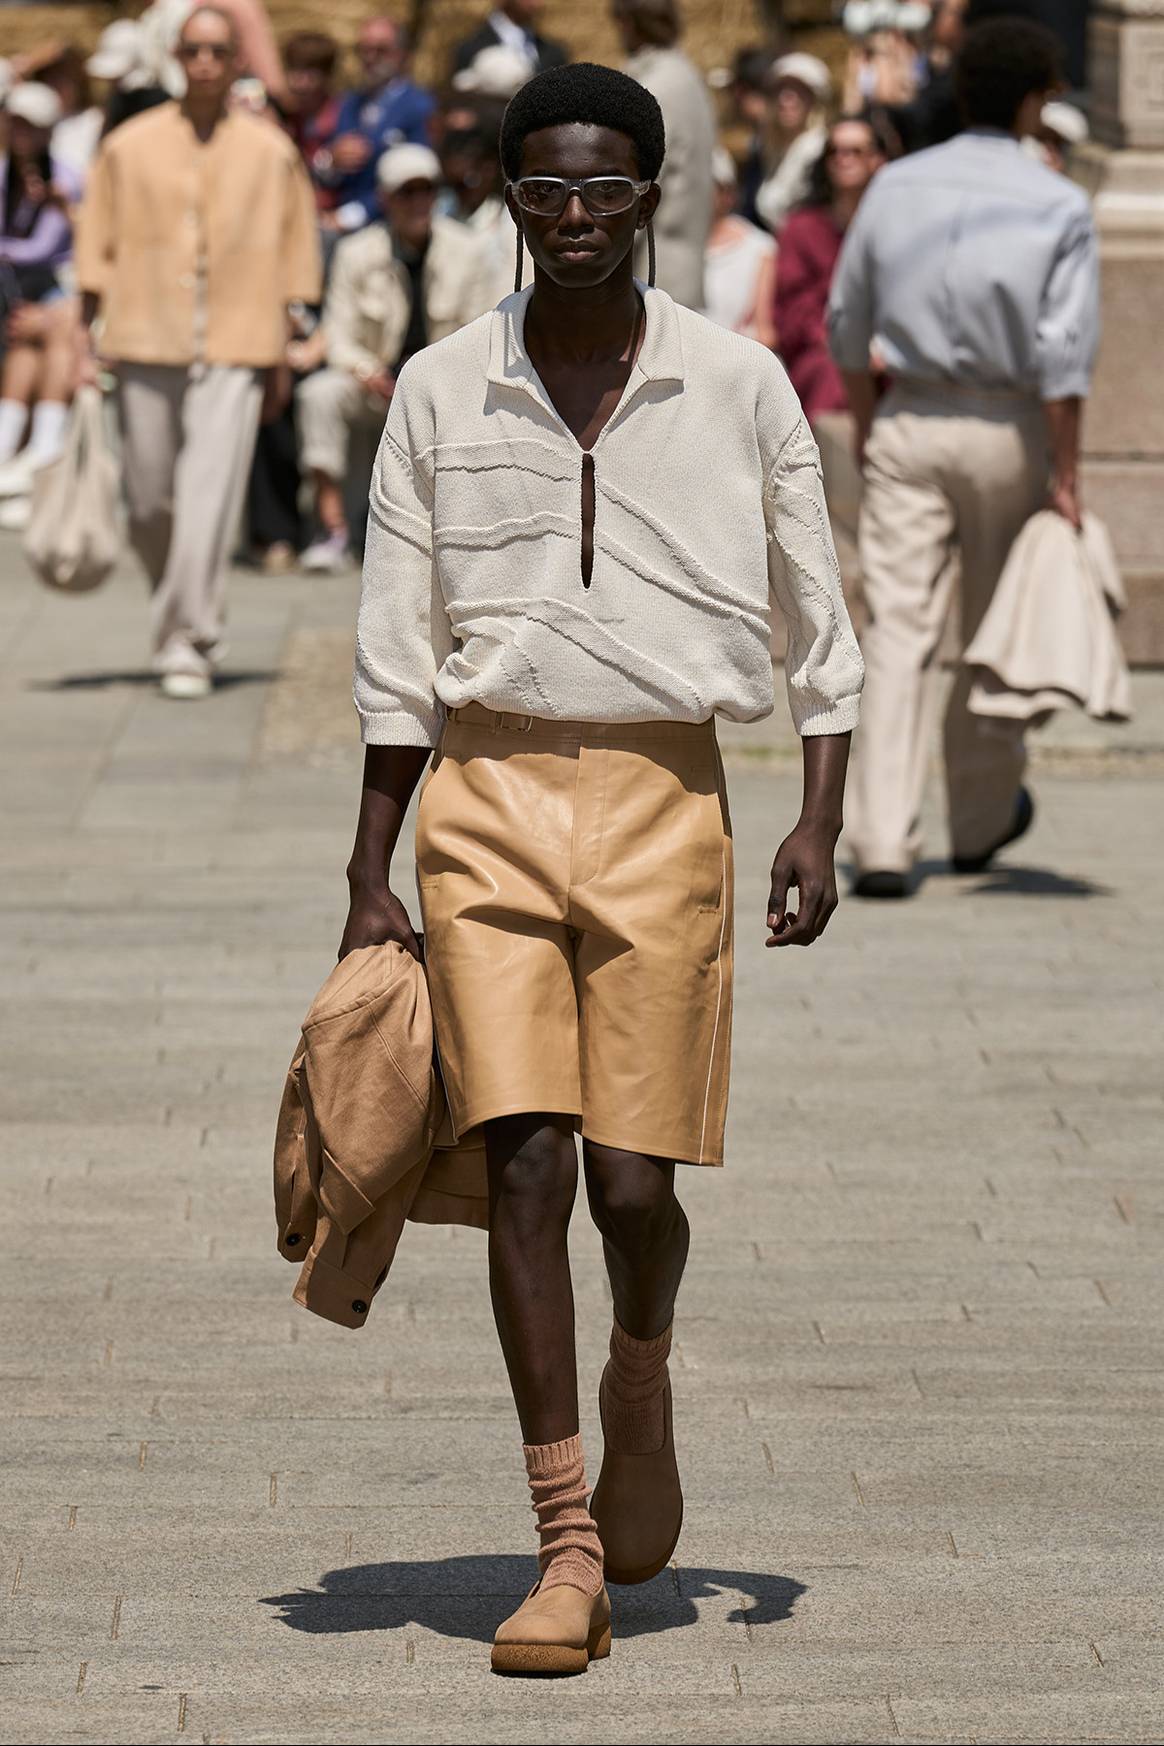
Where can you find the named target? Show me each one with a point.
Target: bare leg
(645, 1234)
(329, 502)
(22, 372)
(59, 378)
(533, 1178)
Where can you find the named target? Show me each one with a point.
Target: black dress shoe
(1024, 813)
(884, 884)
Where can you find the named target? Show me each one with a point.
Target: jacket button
(292, 1238)
(360, 1307)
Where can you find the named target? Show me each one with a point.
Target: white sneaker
(186, 686)
(328, 556)
(16, 474)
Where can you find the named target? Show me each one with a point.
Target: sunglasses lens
(542, 195)
(606, 195)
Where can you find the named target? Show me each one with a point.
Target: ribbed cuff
(398, 728)
(545, 1459)
(840, 718)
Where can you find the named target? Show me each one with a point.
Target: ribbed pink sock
(570, 1550)
(632, 1395)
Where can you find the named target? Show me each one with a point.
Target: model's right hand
(374, 918)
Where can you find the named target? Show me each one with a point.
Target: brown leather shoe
(638, 1503)
(554, 1630)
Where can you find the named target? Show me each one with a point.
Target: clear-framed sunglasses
(602, 196)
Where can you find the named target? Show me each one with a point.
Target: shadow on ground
(142, 676)
(1005, 880)
(468, 1597)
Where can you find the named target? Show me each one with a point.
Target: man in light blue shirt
(970, 275)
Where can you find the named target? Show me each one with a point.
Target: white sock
(49, 421)
(13, 414)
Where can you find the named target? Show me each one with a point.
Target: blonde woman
(801, 87)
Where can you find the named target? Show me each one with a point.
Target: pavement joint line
(892, 1717)
(181, 1727)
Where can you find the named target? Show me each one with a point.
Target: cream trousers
(331, 405)
(187, 442)
(945, 473)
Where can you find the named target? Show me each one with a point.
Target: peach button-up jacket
(162, 208)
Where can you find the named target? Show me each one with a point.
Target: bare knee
(533, 1174)
(632, 1200)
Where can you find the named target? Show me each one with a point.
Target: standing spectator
(386, 110)
(394, 289)
(739, 274)
(801, 86)
(313, 113)
(976, 269)
(513, 25)
(750, 102)
(650, 32)
(810, 242)
(932, 115)
(469, 153)
(39, 320)
(1061, 128)
(195, 314)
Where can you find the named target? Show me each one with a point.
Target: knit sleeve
(402, 634)
(823, 668)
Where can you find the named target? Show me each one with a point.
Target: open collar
(660, 356)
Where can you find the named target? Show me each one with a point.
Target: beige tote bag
(72, 540)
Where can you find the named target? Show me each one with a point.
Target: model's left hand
(804, 859)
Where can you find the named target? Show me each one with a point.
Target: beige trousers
(187, 442)
(331, 404)
(945, 472)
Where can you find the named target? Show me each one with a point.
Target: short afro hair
(596, 97)
(1002, 61)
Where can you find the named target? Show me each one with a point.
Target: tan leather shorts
(576, 886)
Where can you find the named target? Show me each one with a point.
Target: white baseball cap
(495, 71)
(1064, 120)
(35, 103)
(407, 163)
(119, 51)
(807, 70)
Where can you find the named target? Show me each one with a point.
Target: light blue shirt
(971, 263)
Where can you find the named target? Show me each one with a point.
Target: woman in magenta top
(809, 243)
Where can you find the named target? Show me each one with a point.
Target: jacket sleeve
(95, 229)
(798, 301)
(341, 318)
(403, 635)
(823, 668)
(302, 262)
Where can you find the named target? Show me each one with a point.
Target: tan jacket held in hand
(363, 1140)
(196, 249)
(1048, 640)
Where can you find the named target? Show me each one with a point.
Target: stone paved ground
(918, 1376)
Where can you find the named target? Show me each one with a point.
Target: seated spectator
(513, 25)
(810, 242)
(77, 134)
(310, 58)
(37, 375)
(386, 110)
(395, 288)
(739, 278)
(801, 86)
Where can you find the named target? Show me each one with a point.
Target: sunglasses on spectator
(602, 196)
(219, 51)
(846, 151)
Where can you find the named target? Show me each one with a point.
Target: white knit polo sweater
(708, 506)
